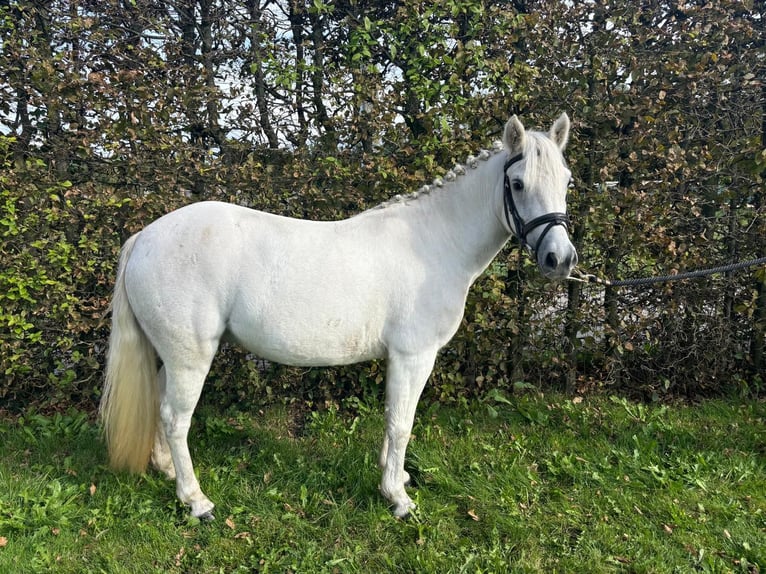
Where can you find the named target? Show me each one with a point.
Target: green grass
(534, 484)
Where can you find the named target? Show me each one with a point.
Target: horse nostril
(554, 261)
(551, 260)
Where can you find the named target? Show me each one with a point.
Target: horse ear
(514, 134)
(560, 131)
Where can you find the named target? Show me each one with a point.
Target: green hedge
(60, 240)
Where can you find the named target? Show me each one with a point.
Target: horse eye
(517, 185)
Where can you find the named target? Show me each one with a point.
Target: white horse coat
(388, 283)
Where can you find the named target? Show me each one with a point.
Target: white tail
(130, 403)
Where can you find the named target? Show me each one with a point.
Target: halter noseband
(516, 224)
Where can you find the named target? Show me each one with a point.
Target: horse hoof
(207, 517)
(404, 512)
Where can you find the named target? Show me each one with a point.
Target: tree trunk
(256, 61)
(328, 137)
(296, 26)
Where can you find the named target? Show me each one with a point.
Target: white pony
(388, 283)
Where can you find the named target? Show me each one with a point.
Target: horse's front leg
(406, 376)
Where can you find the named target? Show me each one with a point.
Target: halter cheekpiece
(514, 220)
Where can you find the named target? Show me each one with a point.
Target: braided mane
(471, 162)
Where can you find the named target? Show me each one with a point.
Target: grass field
(534, 484)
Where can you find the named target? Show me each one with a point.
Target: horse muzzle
(557, 260)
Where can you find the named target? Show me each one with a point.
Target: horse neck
(462, 221)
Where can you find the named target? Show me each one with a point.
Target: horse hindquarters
(137, 399)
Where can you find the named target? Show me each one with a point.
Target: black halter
(516, 224)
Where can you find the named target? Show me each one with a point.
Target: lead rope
(581, 277)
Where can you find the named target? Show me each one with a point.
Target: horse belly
(308, 339)
(304, 314)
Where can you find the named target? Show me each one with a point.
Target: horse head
(535, 187)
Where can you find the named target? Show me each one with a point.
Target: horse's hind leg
(406, 376)
(161, 457)
(184, 386)
(384, 457)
